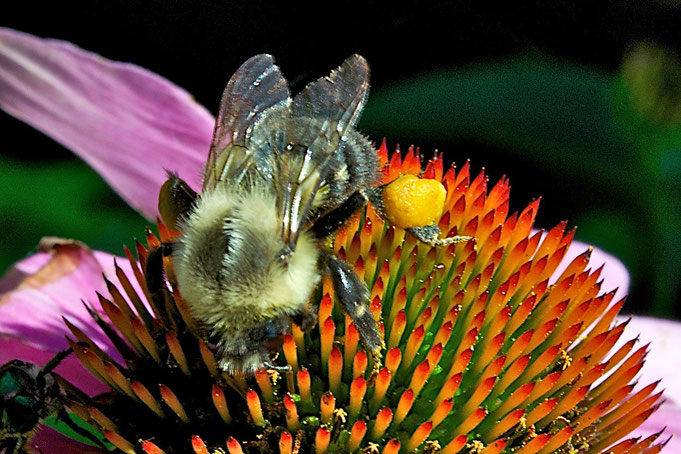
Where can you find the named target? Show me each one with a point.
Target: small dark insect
(282, 175)
(28, 395)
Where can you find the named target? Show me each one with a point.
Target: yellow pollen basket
(410, 201)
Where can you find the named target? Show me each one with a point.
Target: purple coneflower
(508, 344)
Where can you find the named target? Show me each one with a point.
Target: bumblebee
(283, 174)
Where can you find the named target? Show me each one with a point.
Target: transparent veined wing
(256, 89)
(319, 120)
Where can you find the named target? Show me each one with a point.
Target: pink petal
(662, 362)
(70, 368)
(664, 358)
(49, 441)
(129, 124)
(614, 273)
(32, 312)
(667, 417)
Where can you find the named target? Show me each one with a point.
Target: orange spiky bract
(484, 353)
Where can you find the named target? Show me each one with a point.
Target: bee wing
(320, 117)
(256, 88)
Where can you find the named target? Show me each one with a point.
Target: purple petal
(32, 312)
(129, 124)
(49, 441)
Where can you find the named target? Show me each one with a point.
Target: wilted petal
(32, 312)
(49, 441)
(129, 124)
(22, 269)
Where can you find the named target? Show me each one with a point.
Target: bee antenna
(54, 362)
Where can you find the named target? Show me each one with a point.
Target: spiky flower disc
(487, 350)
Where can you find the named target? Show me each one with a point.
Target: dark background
(534, 91)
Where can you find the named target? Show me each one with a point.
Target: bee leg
(353, 295)
(305, 318)
(430, 234)
(275, 328)
(175, 200)
(155, 277)
(55, 361)
(12, 443)
(153, 269)
(375, 196)
(331, 221)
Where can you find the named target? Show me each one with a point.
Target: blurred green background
(577, 103)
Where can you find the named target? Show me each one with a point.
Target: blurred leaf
(648, 97)
(648, 106)
(558, 114)
(66, 199)
(64, 428)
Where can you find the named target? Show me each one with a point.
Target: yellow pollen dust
(410, 201)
